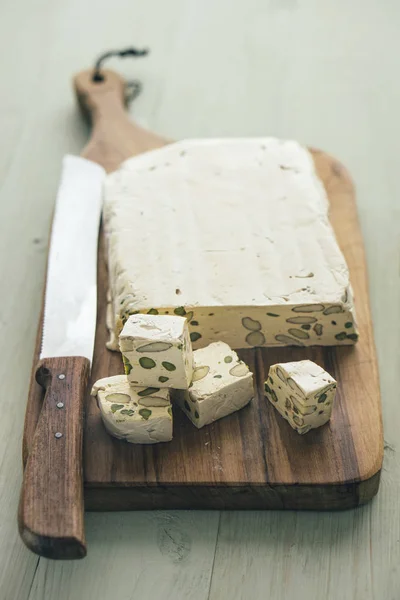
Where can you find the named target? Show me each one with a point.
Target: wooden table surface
(325, 73)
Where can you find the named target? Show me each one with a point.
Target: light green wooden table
(323, 72)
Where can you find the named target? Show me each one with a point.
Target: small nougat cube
(137, 414)
(221, 385)
(302, 392)
(157, 351)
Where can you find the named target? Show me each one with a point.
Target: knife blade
(70, 301)
(51, 504)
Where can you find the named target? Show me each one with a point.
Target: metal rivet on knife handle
(58, 435)
(61, 376)
(60, 404)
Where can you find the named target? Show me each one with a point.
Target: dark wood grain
(232, 497)
(251, 459)
(50, 516)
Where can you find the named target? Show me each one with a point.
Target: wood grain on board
(251, 459)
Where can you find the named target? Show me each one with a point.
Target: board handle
(114, 136)
(51, 509)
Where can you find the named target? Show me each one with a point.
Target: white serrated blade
(71, 289)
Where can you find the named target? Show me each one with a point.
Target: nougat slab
(233, 234)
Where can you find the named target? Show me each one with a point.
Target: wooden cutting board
(251, 459)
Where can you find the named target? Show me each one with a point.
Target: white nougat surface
(233, 233)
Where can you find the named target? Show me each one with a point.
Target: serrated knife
(51, 505)
(51, 510)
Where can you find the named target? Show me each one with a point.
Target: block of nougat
(140, 415)
(221, 385)
(235, 235)
(302, 392)
(157, 351)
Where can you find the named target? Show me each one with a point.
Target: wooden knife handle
(51, 509)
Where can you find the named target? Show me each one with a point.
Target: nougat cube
(221, 385)
(302, 392)
(157, 351)
(137, 414)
